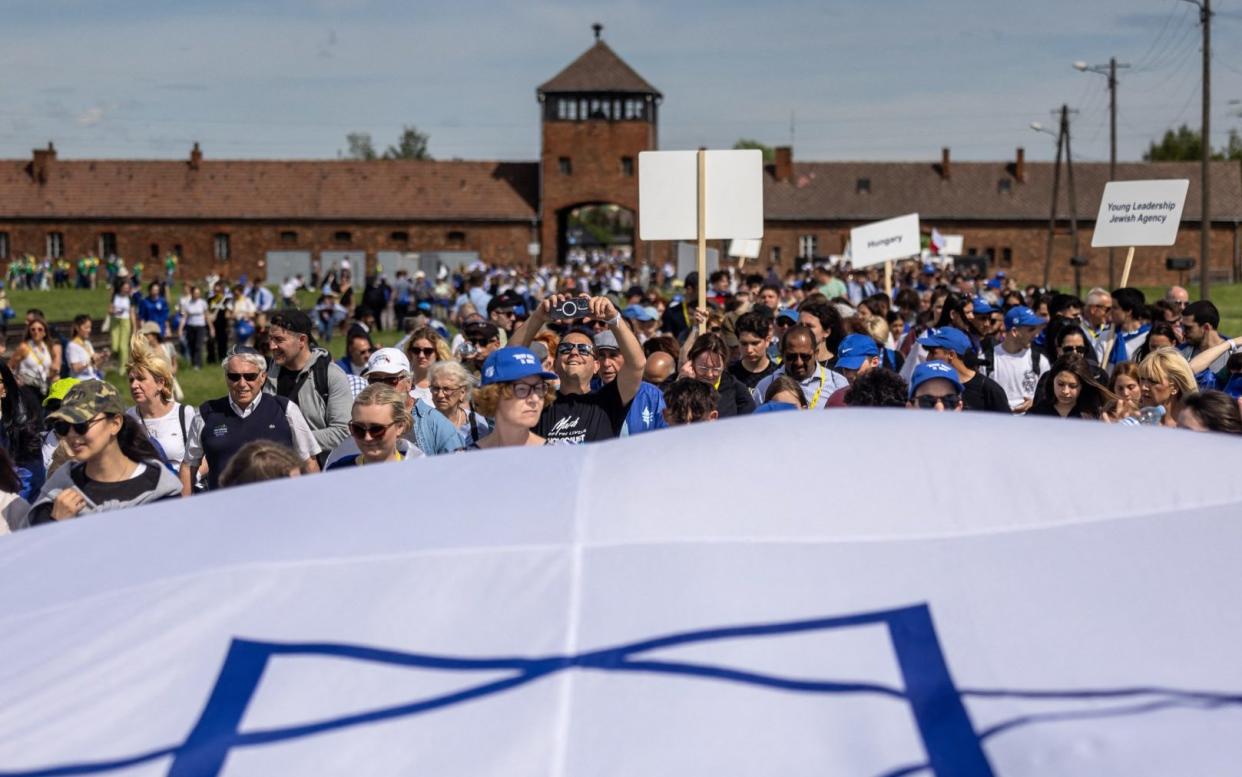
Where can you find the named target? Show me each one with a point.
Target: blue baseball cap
(774, 407)
(506, 365)
(788, 313)
(946, 337)
(931, 371)
(639, 313)
(854, 350)
(982, 306)
(1021, 315)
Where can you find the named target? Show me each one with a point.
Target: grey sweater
(154, 482)
(329, 423)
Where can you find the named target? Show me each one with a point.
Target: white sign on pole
(1140, 213)
(668, 195)
(881, 241)
(687, 259)
(745, 248)
(952, 245)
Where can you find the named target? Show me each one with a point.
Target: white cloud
(90, 117)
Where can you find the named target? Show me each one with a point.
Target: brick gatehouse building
(597, 115)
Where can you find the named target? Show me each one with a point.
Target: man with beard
(798, 361)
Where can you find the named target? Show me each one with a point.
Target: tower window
(627, 166)
(565, 165)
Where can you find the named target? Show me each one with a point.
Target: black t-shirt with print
(578, 418)
(983, 393)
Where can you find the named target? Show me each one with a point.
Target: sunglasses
(363, 431)
(62, 428)
(1073, 349)
(799, 357)
(425, 352)
(249, 377)
(524, 390)
(565, 349)
(950, 401)
(482, 341)
(387, 380)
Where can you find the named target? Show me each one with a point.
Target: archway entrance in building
(594, 228)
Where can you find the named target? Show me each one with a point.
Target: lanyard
(815, 399)
(685, 311)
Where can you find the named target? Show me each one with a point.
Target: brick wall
(595, 150)
(502, 242)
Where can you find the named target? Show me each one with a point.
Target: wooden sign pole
(702, 247)
(1125, 273)
(888, 278)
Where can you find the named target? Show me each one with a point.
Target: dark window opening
(342, 236)
(456, 237)
(627, 166)
(155, 250)
(288, 236)
(1007, 257)
(972, 251)
(221, 244)
(863, 186)
(107, 244)
(400, 236)
(776, 254)
(55, 245)
(4, 245)
(566, 165)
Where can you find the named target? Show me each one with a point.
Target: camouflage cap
(87, 400)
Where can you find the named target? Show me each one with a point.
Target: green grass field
(201, 385)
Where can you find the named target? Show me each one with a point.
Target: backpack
(319, 374)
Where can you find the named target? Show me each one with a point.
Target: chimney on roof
(1019, 166)
(944, 163)
(196, 156)
(41, 164)
(783, 158)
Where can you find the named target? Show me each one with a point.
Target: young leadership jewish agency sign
(1047, 627)
(1140, 213)
(881, 241)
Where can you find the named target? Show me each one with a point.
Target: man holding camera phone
(577, 415)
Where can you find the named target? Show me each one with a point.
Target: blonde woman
(378, 424)
(151, 383)
(424, 349)
(1165, 380)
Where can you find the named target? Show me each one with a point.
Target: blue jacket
(646, 411)
(433, 433)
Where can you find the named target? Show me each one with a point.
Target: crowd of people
(503, 357)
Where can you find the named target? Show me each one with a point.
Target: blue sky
(874, 79)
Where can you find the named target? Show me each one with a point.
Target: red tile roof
(599, 69)
(974, 190)
(237, 189)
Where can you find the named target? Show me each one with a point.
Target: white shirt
(81, 353)
(1014, 374)
(289, 288)
(121, 305)
(817, 388)
(167, 429)
(303, 441)
(195, 311)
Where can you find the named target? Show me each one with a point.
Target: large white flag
(850, 593)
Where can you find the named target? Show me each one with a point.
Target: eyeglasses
(444, 389)
(425, 352)
(799, 357)
(565, 349)
(62, 428)
(1073, 349)
(387, 380)
(707, 370)
(363, 431)
(524, 390)
(929, 402)
(249, 377)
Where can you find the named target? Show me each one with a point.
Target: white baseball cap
(387, 361)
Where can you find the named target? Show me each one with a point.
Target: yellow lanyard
(685, 311)
(815, 399)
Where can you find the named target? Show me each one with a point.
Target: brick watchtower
(598, 114)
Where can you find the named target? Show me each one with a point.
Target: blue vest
(225, 432)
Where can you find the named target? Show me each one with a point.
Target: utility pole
(1110, 71)
(1205, 173)
(1063, 146)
